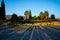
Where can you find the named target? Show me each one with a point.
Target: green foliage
(41, 15)
(1, 21)
(34, 18)
(20, 18)
(44, 15)
(26, 12)
(14, 18)
(52, 16)
(28, 15)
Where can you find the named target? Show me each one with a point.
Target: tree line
(28, 16)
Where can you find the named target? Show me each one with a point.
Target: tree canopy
(14, 18)
(52, 16)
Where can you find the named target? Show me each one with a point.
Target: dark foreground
(32, 33)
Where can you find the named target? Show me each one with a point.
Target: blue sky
(36, 6)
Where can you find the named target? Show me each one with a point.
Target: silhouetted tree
(20, 18)
(14, 18)
(30, 14)
(2, 11)
(52, 16)
(39, 18)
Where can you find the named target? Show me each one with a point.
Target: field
(29, 33)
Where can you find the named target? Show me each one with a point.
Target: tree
(30, 14)
(34, 18)
(2, 11)
(26, 12)
(39, 18)
(41, 15)
(27, 15)
(20, 18)
(14, 18)
(46, 14)
(52, 16)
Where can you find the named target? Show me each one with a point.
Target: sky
(36, 6)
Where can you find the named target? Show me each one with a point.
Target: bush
(1, 22)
